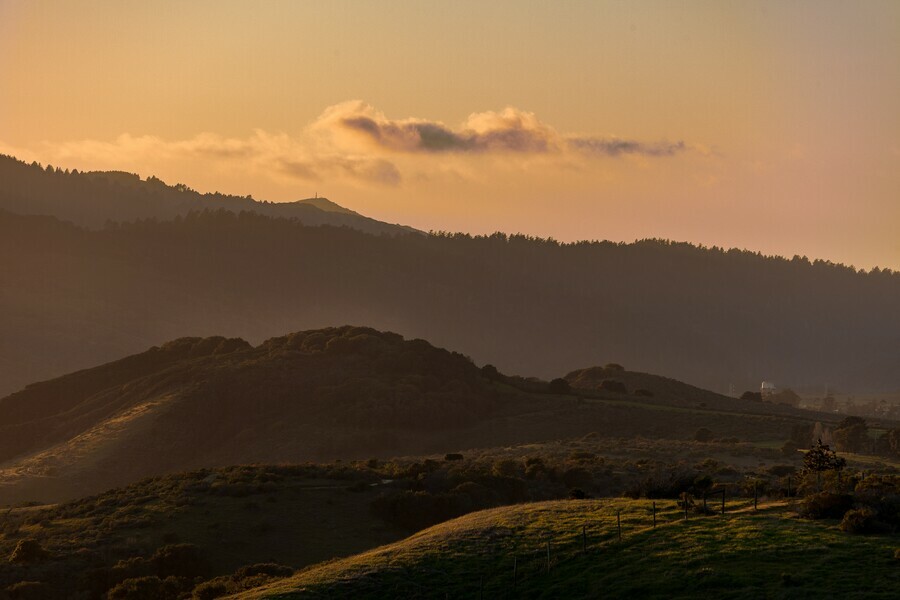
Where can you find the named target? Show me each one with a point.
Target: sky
(771, 126)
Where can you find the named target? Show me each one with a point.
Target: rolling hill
(348, 392)
(503, 552)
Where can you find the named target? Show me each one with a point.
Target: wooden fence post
(515, 570)
(755, 494)
(654, 514)
(723, 501)
(789, 486)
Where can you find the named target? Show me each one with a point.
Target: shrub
(214, 588)
(179, 560)
(453, 456)
(30, 590)
(28, 551)
(578, 478)
(613, 385)
(644, 393)
(860, 520)
(559, 386)
(703, 435)
(141, 588)
(268, 569)
(826, 505)
(790, 448)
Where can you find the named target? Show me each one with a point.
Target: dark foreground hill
(211, 532)
(72, 298)
(348, 393)
(93, 198)
(503, 553)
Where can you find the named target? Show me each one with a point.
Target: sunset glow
(769, 126)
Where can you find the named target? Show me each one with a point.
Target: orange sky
(771, 126)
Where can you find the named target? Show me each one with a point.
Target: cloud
(377, 170)
(617, 147)
(356, 143)
(508, 131)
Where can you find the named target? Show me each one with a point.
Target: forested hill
(218, 401)
(92, 198)
(73, 298)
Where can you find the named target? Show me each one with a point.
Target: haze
(769, 126)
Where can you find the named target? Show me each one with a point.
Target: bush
(790, 448)
(269, 569)
(826, 505)
(612, 385)
(703, 435)
(453, 456)
(559, 386)
(179, 560)
(644, 393)
(30, 590)
(214, 588)
(28, 551)
(860, 520)
(141, 588)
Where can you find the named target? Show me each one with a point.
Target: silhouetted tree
(822, 458)
(559, 386)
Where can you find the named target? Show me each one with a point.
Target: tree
(559, 386)
(821, 458)
(852, 435)
(490, 372)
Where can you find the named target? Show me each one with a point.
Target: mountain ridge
(93, 198)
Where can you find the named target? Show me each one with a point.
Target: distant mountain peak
(93, 198)
(327, 205)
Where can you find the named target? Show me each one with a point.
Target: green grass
(745, 554)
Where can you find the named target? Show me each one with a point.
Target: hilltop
(93, 198)
(744, 554)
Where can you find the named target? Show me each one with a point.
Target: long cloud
(508, 131)
(355, 142)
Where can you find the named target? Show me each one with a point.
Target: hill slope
(92, 198)
(73, 298)
(198, 402)
(741, 555)
(348, 392)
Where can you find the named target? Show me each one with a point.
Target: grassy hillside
(349, 392)
(238, 527)
(745, 554)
